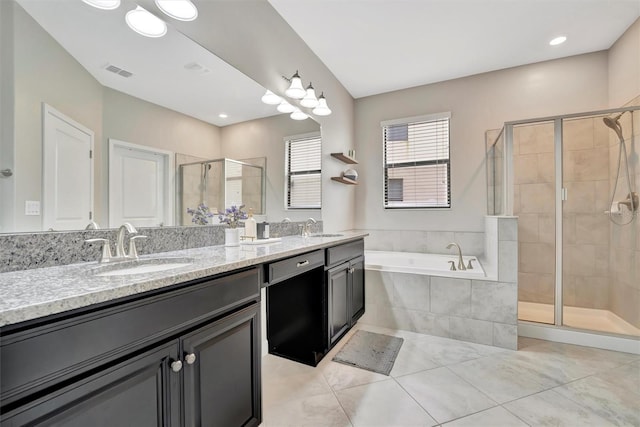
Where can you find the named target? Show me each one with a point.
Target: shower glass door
(534, 202)
(585, 239)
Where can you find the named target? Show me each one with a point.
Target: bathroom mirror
(167, 95)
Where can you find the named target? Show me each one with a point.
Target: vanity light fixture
(558, 40)
(298, 115)
(295, 90)
(271, 98)
(103, 4)
(182, 10)
(310, 100)
(285, 107)
(144, 22)
(322, 109)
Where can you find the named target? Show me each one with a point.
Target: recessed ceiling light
(103, 4)
(223, 115)
(558, 40)
(146, 23)
(182, 10)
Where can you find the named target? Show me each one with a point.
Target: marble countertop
(30, 294)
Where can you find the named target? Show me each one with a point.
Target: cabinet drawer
(77, 344)
(282, 270)
(341, 253)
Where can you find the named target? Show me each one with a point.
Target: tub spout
(461, 265)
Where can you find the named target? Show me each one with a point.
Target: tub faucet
(461, 265)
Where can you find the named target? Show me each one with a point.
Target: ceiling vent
(117, 70)
(197, 68)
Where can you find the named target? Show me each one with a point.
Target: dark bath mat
(370, 351)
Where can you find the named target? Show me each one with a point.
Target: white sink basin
(145, 266)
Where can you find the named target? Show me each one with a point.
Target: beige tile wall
(534, 205)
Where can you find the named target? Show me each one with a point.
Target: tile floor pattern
(438, 381)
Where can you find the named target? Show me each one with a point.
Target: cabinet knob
(176, 366)
(190, 358)
(351, 270)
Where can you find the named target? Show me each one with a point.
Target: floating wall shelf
(344, 180)
(344, 158)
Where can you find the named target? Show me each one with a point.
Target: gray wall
(476, 103)
(265, 138)
(7, 185)
(624, 67)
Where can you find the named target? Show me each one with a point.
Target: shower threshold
(577, 317)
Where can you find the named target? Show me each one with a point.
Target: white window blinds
(416, 163)
(303, 160)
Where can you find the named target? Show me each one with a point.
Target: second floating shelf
(344, 180)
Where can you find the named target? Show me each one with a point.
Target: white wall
(476, 103)
(624, 67)
(265, 138)
(7, 184)
(251, 36)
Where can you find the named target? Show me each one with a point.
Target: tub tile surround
(23, 251)
(441, 381)
(478, 311)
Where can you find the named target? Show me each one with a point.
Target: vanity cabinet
(185, 356)
(345, 288)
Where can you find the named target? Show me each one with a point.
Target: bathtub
(420, 263)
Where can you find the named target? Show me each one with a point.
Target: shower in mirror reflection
(624, 211)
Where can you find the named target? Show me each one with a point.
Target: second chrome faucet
(121, 254)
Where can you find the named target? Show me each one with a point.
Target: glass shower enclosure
(220, 184)
(572, 181)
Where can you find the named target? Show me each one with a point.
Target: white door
(140, 185)
(67, 187)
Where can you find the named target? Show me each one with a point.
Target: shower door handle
(563, 194)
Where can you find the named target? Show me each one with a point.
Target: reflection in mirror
(170, 103)
(219, 184)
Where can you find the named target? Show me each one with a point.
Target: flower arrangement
(232, 216)
(200, 215)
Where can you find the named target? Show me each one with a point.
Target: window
(416, 162)
(303, 180)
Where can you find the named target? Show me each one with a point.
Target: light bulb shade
(285, 107)
(271, 98)
(322, 109)
(298, 115)
(182, 10)
(296, 91)
(103, 4)
(144, 22)
(310, 100)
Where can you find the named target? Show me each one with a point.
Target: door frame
(169, 171)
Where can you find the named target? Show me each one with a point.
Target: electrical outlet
(32, 207)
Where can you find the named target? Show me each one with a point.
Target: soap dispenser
(250, 226)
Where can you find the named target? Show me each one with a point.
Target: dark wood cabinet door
(338, 299)
(138, 392)
(222, 372)
(357, 289)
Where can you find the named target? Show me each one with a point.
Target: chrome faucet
(92, 226)
(121, 255)
(461, 265)
(126, 227)
(307, 225)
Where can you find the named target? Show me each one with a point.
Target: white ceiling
(97, 38)
(376, 46)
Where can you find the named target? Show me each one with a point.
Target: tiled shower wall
(534, 205)
(624, 290)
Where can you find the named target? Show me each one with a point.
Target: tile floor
(439, 381)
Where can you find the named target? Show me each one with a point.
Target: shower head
(614, 124)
